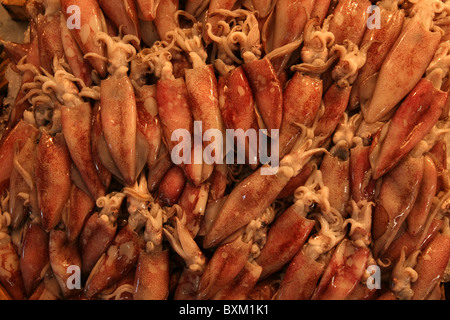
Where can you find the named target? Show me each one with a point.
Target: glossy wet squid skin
(88, 177)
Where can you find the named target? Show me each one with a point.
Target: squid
(201, 86)
(382, 39)
(427, 109)
(11, 277)
(392, 86)
(124, 15)
(284, 25)
(261, 75)
(124, 155)
(246, 202)
(302, 95)
(308, 264)
(151, 281)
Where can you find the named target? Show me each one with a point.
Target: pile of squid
(93, 206)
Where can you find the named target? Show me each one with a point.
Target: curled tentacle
(360, 223)
(158, 58)
(190, 41)
(60, 86)
(331, 222)
(226, 47)
(317, 43)
(110, 205)
(403, 275)
(120, 51)
(182, 242)
(245, 33)
(351, 59)
(145, 214)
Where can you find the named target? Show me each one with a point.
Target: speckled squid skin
(226, 263)
(10, 273)
(412, 52)
(118, 117)
(241, 286)
(50, 40)
(173, 107)
(335, 100)
(176, 113)
(76, 127)
(285, 25)
(405, 241)
(120, 257)
(267, 91)
(302, 97)
(162, 165)
(336, 176)
(96, 138)
(431, 265)
(165, 17)
(349, 20)
(95, 237)
(34, 257)
(382, 39)
(171, 186)
(291, 17)
(361, 182)
(202, 88)
(286, 236)
(152, 276)
(148, 122)
(218, 182)
(243, 205)
(236, 100)
(201, 85)
(80, 208)
(19, 134)
(396, 197)
(53, 182)
(415, 117)
(300, 279)
(343, 273)
(26, 160)
(236, 103)
(419, 213)
(228, 232)
(21, 104)
(439, 156)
